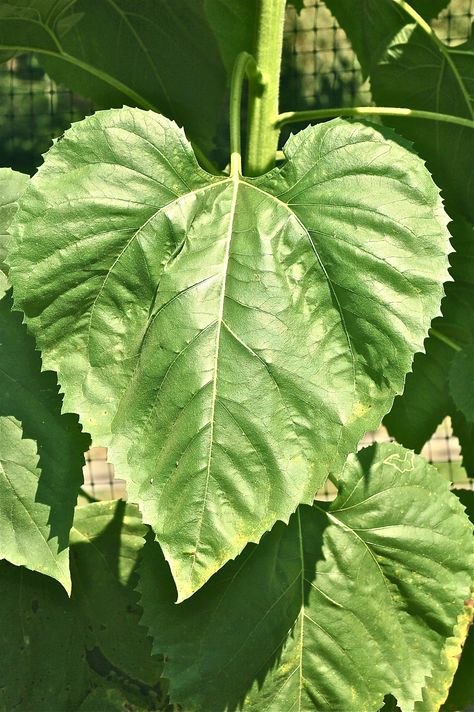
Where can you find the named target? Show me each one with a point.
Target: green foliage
(296, 621)
(461, 693)
(231, 339)
(417, 73)
(428, 396)
(65, 653)
(38, 489)
(174, 60)
(374, 25)
(192, 317)
(12, 185)
(461, 373)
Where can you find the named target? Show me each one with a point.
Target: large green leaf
(57, 653)
(37, 504)
(375, 24)
(331, 612)
(173, 57)
(217, 334)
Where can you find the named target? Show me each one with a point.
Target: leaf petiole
(290, 117)
(244, 66)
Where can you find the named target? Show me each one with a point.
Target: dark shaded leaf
(331, 612)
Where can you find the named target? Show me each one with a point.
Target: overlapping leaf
(427, 397)
(203, 326)
(60, 653)
(105, 542)
(375, 24)
(415, 73)
(461, 693)
(332, 612)
(37, 503)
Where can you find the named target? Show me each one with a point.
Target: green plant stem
(290, 117)
(445, 339)
(444, 50)
(245, 65)
(263, 104)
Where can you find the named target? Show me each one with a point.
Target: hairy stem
(263, 104)
(290, 117)
(245, 65)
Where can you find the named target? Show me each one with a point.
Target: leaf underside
(332, 612)
(201, 325)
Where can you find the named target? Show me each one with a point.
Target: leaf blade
(308, 599)
(205, 324)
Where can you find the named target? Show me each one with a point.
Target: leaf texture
(332, 612)
(203, 325)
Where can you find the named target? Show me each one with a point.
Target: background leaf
(12, 185)
(416, 74)
(105, 543)
(25, 534)
(201, 326)
(427, 399)
(296, 621)
(69, 653)
(42, 651)
(376, 23)
(461, 382)
(461, 693)
(173, 57)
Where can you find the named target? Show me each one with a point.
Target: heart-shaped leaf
(332, 612)
(229, 339)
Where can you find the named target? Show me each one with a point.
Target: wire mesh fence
(320, 70)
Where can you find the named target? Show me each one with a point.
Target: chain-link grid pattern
(320, 70)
